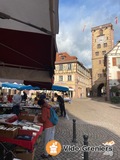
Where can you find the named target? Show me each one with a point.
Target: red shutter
(118, 75)
(114, 61)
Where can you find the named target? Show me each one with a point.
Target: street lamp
(6, 16)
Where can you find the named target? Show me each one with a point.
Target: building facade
(112, 63)
(71, 73)
(102, 42)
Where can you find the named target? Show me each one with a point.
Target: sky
(76, 15)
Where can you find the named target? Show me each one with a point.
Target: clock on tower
(101, 39)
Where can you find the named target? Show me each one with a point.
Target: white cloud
(72, 39)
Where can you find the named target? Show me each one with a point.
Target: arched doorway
(100, 90)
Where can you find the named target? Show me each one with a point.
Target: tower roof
(115, 49)
(101, 26)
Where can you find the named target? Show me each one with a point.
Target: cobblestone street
(98, 119)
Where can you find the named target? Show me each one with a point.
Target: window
(69, 66)
(99, 75)
(62, 57)
(104, 74)
(103, 52)
(60, 67)
(118, 76)
(99, 61)
(98, 45)
(116, 61)
(69, 77)
(60, 78)
(101, 32)
(97, 53)
(105, 45)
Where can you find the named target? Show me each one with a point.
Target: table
(7, 108)
(8, 118)
(11, 118)
(23, 143)
(67, 99)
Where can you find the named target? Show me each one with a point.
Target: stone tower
(102, 42)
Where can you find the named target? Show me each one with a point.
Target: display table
(67, 99)
(12, 120)
(7, 108)
(10, 105)
(21, 133)
(23, 143)
(31, 107)
(8, 118)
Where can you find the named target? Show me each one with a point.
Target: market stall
(20, 132)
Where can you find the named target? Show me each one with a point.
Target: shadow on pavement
(103, 99)
(97, 135)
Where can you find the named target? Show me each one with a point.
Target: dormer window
(62, 57)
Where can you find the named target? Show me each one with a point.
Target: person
(48, 127)
(24, 97)
(35, 101)
(5, 99)
(61, 104)
(1, 97)
(16, 103)
(42, 96)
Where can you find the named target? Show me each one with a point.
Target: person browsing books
(48, 127)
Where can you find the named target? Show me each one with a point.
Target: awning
(10, 85)
(60, 88)
(19, 86)
(71, 89)
(28, 40)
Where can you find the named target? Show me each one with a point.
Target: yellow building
(102, 42)
(71, 73)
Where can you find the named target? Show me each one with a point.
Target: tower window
(103, 52)
(98, 45)
(97, 53)
(99, 75)
(101, 32)
(99, 61)
(105, 44)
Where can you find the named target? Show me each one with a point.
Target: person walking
(24, 97)
(61, 104)
(48, 127)
(16, 103)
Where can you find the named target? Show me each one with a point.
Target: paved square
(98, 119)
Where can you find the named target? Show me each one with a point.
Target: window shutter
(114, 61)
(118, 75)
